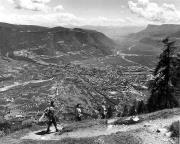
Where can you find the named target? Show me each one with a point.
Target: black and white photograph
(89, 72)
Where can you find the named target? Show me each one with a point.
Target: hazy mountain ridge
(149, 40)
(54, 41)
(157, 31)
(117, 33)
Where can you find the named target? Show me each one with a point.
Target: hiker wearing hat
(50, 114)
(104, 108)
(78, 112)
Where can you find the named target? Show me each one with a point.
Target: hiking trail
(146, 130)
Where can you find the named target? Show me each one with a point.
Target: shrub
(174, 128)
(15, 127)
(2, 133)
(4, 126)
(27, 123)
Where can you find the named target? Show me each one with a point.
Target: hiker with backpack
(50, 114)
(104, 109)
(78, 112)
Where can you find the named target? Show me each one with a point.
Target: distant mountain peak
(161, 31)
(150, 26)
(163, 26)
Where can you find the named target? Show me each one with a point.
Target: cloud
(58, 8)
(34, 5)
(54, 16)
(43, 19)
(57, 16)
(2, 8)
(166, 13)
(41, 1)
(59, 19)
(104, 21)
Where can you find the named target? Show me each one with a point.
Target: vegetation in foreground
(162, 88)
(174, 128)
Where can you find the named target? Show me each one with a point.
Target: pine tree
(162, 91)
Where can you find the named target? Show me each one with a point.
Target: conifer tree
(162, 91)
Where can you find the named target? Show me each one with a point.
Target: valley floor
(153, 129)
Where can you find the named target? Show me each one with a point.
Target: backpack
(49, 112)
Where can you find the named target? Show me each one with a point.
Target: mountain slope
(115, 32)
(157, 31)
(149, 40)
(57, 41)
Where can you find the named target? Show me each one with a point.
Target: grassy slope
(163, 114)
(119, 138)
(137, 136)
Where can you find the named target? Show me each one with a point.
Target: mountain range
(158, 31)
(149, 40)
(72, 44)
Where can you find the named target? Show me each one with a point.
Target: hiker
(104, 112)
(100, 113)
(109, 112)
(50, 114)
(78, 112)
(133, 109)
(117, 112)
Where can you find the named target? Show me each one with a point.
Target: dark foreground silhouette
(44, 132)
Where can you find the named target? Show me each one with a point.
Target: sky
(90, 12)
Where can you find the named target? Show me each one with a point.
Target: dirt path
(6, 88)
(146, 130)
(156, 131)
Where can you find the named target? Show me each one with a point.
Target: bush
(2, 133)
(18, 125)
(4, 126)
(174, 128)
(14, 127)
(27, 123)
(7, 127)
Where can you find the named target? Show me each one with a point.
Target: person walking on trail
(78, 112)
(100, 113)
(104, 108)
(109, 111)
(50, 114)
